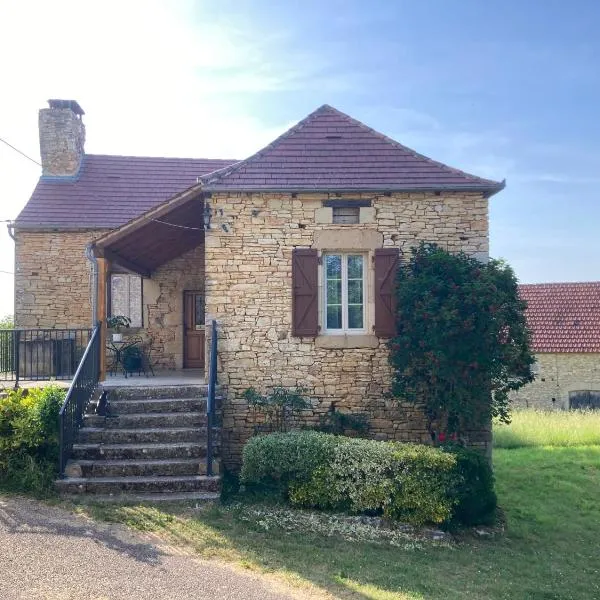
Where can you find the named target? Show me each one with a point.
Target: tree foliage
(462, 343)
(6, 322)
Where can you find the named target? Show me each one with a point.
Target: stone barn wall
(557, 375)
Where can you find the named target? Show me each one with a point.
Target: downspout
(89, 254)
(10, 226)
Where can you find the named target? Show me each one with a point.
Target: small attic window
(346, 215)
(333, 137)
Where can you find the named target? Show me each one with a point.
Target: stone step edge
(151, 416)
(139, 445)
(143, 498)
(126, 430)
(157, 400)
(138, 479)
(125, 462)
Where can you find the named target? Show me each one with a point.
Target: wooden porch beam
(117, 259)
(101, 310)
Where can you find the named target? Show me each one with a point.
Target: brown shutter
(386, 263)
(305, 292)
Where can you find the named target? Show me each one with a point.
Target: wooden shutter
(305, 292)
(386, 263)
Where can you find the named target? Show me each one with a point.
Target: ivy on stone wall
(462, 343)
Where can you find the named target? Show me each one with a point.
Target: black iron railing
(210, 402)
(80, 393)
(41, 354)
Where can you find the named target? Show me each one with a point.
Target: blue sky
(503, 89)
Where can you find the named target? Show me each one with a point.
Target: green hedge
(29, 438)
(404, 482)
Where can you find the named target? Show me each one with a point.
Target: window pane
(355, 267)
(199, 310)
(355, 291)
(333, 264)
(355, 316)
(334, 317)
(135, 300)
(346, 215)
(119, 300)
(334, 291)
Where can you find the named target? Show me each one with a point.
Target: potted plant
(117, 323)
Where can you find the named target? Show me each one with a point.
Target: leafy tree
(462, 343)
(6, 322)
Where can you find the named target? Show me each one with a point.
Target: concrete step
(157, 405)
(146, 420)
(140, 467)
(120, 485)
(96, 451)
(163, 392)
(150, 435)
(146, 498)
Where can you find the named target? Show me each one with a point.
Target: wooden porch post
(101, 310)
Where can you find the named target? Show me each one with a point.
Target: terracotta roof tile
(563, 317)
(328, 150)
(111, 190)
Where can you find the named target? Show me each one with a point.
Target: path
(49, 553)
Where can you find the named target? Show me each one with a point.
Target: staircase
(150, 446)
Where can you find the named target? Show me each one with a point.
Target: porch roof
(157, 236)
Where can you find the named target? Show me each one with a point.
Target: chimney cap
(72, 104)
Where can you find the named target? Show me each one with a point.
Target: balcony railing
(41, 354)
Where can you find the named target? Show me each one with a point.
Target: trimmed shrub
(476, 498)
(411, 483)
(404, 482)
(277, 460)
(29, 438)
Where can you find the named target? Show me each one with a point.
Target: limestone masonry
(248, 290)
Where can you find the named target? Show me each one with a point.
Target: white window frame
(345, 330)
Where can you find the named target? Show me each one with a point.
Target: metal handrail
(80, 392)
(210, 402)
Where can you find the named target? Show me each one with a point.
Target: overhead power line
(21, 153)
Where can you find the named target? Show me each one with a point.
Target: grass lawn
(550, 498)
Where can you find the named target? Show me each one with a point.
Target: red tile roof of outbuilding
(563, 317)
(330, 151)
(109, 191)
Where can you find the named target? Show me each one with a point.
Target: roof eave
(488, 190)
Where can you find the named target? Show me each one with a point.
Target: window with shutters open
(350, 293)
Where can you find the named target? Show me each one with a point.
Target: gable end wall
(249, 291)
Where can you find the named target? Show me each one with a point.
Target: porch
(152, 271)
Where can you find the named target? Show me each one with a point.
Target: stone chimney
(62, 138)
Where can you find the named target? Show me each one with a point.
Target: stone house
(564, 319)
(292, 251)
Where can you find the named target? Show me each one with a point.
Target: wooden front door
(193, 335)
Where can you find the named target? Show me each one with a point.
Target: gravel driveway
(50, 553)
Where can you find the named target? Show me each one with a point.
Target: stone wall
(53, 279)
(248, 290)
(557, 375)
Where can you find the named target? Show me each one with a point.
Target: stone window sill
(346, 341)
